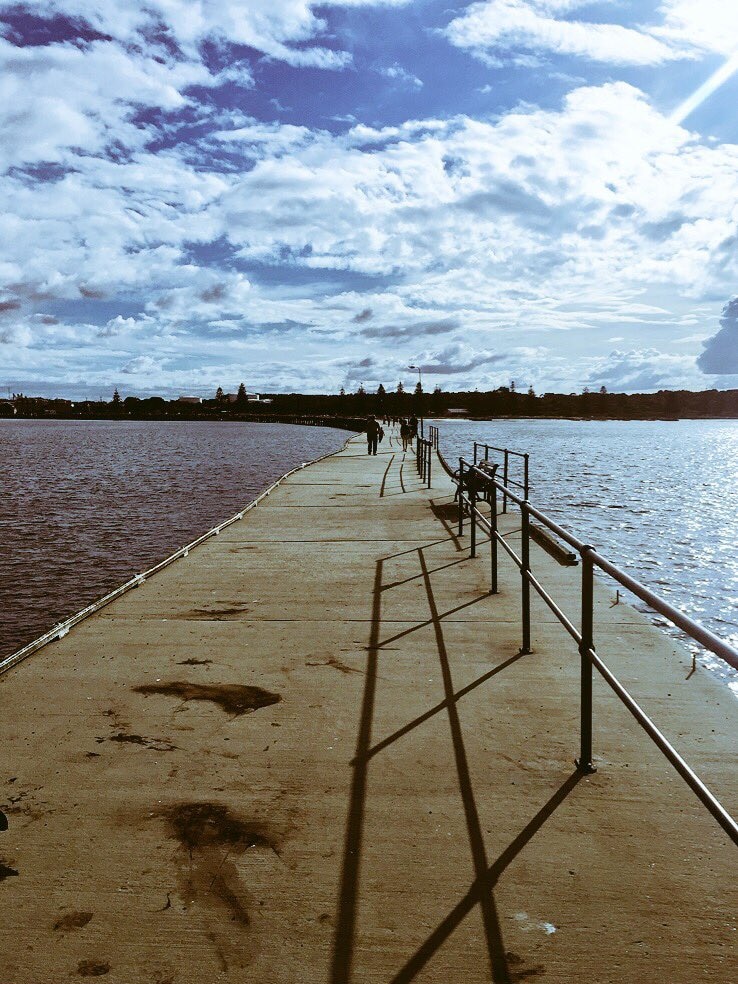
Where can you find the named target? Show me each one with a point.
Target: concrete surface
(310, 752)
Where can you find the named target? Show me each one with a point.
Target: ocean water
(85, 505)
(657, 498)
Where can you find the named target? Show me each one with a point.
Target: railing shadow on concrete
(480, 891)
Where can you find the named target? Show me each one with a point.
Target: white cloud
(537, 222)
(493, 27)
(270, 26)
(400, 75)
(711, 25)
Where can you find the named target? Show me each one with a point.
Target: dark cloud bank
(720, 357)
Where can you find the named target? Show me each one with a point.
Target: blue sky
(308, 196)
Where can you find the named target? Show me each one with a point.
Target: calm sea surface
(84, 505)
(658, 498)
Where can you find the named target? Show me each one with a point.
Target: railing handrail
(698, 632)
(584, 638)
(491, 447)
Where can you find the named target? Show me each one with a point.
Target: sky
(304, 197)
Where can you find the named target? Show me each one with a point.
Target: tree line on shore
(505, 401)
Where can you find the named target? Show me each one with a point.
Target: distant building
(189, 399)
(251, 397)
(457, 412)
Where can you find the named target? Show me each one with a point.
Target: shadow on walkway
(481, 891)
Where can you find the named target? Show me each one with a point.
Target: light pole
(420, 396)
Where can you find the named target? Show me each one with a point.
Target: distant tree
(400, 388)
(512, 385)
(418, 388)
(219, 395)
(603, 390)
(381, 391)
(361, 391)
(116, 398)
(585, 390)
(531, 392)
(242, 400)
(342, 392)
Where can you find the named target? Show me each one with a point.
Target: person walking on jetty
(373, 434)
(406, 433)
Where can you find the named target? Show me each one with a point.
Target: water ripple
(658, 498)
(85, 505)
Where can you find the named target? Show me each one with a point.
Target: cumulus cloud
(141, 218)
(643, 370)
(720, 356)
(711, 25)
(141, 365)
(493, 27)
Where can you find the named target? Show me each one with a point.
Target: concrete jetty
(311, 752)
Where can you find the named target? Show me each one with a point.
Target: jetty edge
(311, 751)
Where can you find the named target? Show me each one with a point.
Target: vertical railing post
(504, 481)
(430, 462)
(524, 572)
(526, 484)
(493, 540)
(473, 515)
(584, 762)
(476, 460)
(461, 496)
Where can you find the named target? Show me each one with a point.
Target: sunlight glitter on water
(658, 498)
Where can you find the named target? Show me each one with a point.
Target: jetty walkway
(310, 751)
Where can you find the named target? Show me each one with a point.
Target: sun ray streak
(700, 95)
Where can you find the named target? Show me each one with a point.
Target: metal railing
(482, 453)
(478, 481)
(434, 435)
(423, 458)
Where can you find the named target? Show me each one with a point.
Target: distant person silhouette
(406, 433)
(373, 431)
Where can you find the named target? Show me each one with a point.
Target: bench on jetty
(312, 750)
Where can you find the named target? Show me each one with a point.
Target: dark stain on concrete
(216, 614)
(72, 920)
(518, 972)
(336, 664)
(210, 835)
(194, 662)
(234, 698)
(93, 968)
(7, 872)
(157, 744)
(199, 825)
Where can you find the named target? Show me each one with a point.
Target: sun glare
(718, 78)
